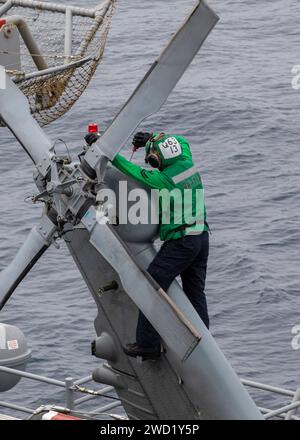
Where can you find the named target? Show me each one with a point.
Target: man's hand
(140, 140)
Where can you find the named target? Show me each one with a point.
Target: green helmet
(163, 150)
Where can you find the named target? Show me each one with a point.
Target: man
(186, 243)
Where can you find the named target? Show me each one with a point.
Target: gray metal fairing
(204, 386)
(151, 388)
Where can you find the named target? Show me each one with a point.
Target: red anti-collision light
(93, 128)
(2, 23)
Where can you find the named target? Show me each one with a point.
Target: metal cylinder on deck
(14, 353)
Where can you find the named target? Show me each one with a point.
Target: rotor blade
(158, 83)
(15, 113)
(177, 332)
(204, 374)
(37, 242)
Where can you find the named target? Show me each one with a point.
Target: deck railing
(73, 387)
(286, 412)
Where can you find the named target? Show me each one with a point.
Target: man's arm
(153, 179)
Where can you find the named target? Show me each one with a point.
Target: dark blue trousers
(186, 257)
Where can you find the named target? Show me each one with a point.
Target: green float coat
(179, 177)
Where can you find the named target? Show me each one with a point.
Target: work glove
(140, 140)
(91, 138)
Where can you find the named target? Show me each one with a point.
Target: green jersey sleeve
(154, 179)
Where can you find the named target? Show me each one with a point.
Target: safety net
(69, 43)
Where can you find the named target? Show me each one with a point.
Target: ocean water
(237, 107)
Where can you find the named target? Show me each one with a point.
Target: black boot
(133, 350)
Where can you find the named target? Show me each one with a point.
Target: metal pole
(33, 376)
(293, 411)
(276, 412)
(105, 408)
(55, 7)
(70, 402)
(17, 407)
(90, 397)
(5, 7)
(270, 388)
(68, 35)
(2, 78)
(28, 39)
(99, 17)
(57, 69)
(281, 416)
(83, 380)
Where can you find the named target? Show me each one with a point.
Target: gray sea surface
(237, 107)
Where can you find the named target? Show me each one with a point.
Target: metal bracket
(46, 229)
(108, 288)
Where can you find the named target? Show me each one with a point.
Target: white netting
(52, 95)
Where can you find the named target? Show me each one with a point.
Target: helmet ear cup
(153, 160)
